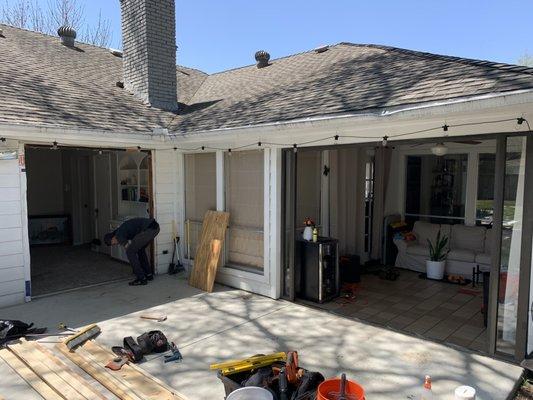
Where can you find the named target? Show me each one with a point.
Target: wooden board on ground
(128, 384)
(62, 370)
(208, 251)
(29, 376)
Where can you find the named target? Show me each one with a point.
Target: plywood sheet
(208, 252)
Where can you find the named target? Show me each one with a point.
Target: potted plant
(308, 230)
(438, 252)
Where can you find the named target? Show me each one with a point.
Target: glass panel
(200, 195)
(485, 189)
(244, 201)
(511, 244)
(436, 188)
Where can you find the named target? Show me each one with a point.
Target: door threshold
(41, 296)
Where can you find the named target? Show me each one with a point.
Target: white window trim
(471, 177)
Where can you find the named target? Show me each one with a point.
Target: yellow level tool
(247, 364)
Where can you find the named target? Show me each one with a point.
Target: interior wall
(45, 181)
(348, 199)
(308, 187)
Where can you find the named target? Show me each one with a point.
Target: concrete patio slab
(232, 324)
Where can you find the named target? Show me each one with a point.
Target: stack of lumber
(208, 252)
(46, 373)
(54, 380)
(129, 383)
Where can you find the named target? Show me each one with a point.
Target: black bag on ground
(308, 386)
(13, 329)
(153, 342)
(136, 350)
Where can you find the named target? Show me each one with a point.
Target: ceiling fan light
(439, 149)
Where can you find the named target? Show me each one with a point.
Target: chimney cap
(67, 34)
(262, 58)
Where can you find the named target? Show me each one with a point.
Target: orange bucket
(330, 390)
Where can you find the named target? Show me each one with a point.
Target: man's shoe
(138, 282)
(150, 277)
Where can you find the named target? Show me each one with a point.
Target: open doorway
(374, 208)
(75, 196)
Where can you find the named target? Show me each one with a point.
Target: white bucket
(435, 269)
(250, 393)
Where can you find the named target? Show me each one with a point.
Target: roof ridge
(462, 60)
(274, 59)
(53, 36)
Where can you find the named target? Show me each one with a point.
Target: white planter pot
(435, 269)
(308, 233)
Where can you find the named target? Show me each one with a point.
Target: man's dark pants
(136, 252)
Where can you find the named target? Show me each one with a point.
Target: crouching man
(135, 235)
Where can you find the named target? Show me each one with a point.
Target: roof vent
(321, 49)
(67, 35)
(262, 58)
(115, 52)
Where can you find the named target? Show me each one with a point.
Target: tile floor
(434, 310)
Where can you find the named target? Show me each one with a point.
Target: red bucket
(330, 390)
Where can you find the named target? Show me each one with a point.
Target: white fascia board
(82, 137)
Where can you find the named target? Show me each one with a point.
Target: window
(369, 203)
(244, 171)
(436, 188)
(485, 189)
(200, 195)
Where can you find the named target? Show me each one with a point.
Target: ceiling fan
(440, 149)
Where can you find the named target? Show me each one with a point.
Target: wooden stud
(72, 377)
(142, 383)
(42, 369)
(29, 376)
(98, 372)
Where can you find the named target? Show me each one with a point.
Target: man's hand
(114, 241)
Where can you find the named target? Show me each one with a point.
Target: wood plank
(42, 369)
(142, 382)
(208, 251)
(29, 376)
(74, 379)
(99, 373)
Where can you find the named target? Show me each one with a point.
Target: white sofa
(469, 246)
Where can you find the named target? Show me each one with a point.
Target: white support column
(221, 201)
(471, 188)
(273, 218)
(24, 221)
(179, 208)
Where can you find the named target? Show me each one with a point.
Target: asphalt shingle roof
(45, 83)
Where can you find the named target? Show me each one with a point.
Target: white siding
(167, 173)
(12, 286)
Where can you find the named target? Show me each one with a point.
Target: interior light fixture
(295, 147)
(385, 141)
(439, 149)
(54, 146)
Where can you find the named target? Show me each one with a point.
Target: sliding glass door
(510, 275)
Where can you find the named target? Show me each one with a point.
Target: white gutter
(82, 137)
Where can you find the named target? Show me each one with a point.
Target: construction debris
(160, 318)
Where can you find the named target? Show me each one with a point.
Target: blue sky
(216, 35)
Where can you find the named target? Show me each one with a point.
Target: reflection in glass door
(511, 241)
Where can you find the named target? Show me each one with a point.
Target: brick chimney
(149, 51)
